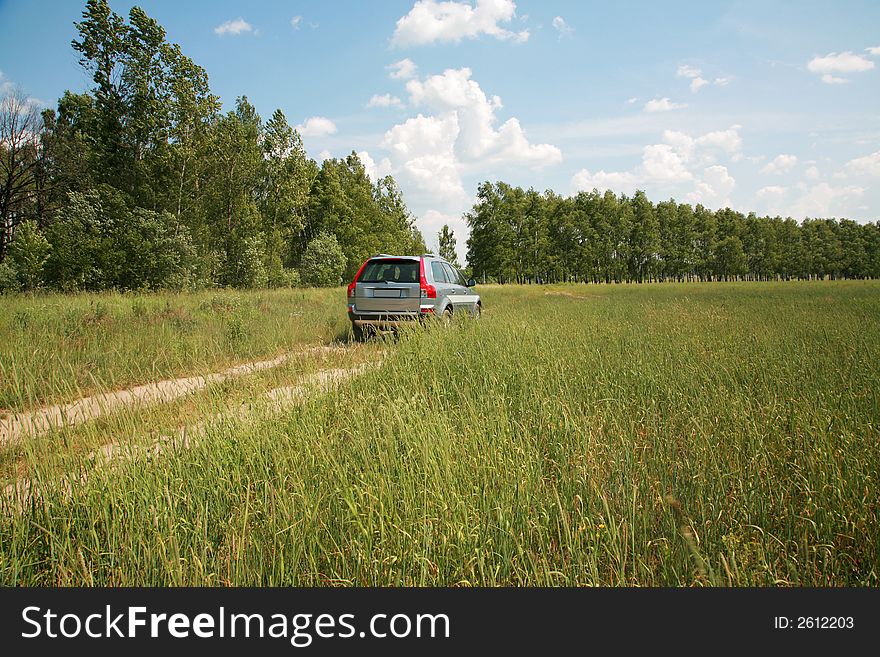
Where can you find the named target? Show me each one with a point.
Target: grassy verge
(651, 435)
(57, 348)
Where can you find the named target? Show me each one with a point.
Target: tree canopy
(144, 182)
(521, 235)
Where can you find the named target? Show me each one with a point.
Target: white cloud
(874, 50)
(662, 163)
(620, 182)
(422, 149)
(812, 173)
(713, 191)
(234, 27)
(845, 62)
(402, 70)
(455, 92)
(432, 221)
(456, 133)
(869, 165)
(662, 105)
(430, 21)
(324, 155)
(563, 28)
(374, 171)
(385, 100)
(820, 200)
(771, 193)
(687, 71)
(316, 126)
(632, 101)
(780, 164)
(696, 83)
(695, 75)
(674, 162)
(833, 79)
(295, 22)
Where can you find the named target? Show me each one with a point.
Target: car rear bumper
(388, 320)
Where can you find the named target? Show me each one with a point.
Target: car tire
(358, 332)
(447, 316)
(478, 311)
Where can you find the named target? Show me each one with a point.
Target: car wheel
(447, 316)
(358, 332)
(478, 311)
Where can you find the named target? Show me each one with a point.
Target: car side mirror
(471, 282)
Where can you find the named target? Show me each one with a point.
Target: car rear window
(390, 270)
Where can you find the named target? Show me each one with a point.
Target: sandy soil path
(40, 421)
(19, 495)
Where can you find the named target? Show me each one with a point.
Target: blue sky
(764, 106)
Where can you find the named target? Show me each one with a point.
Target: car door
(456, 289)
(466, 297)
(445, 289)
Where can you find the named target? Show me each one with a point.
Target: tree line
(522, 236)
(143, 182)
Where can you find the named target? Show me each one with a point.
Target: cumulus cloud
(662, 105)
(316, 126)
(780, 164)
(402, 70)
(422, 149)
(845, 62)
(620, 182)
(384, 100)
(432, 221)
(295, 22)
(869, 165)
(812, 173)
(771, 193)
(430, 22)
(234, 27)
(632, 101)
(664, 164)
(680, 159)
(456, 131)
(697, 83)
(374, 170)
(695, 75)
(820, 200)
(454, 92)
(562, 28)
(874, 50)
(713, 190)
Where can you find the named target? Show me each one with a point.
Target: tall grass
(650, 435)
(57, 347)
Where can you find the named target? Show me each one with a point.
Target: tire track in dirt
(36, 423)
(19, 495)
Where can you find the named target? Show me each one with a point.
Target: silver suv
(389, 289)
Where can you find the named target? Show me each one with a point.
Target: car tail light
(428, 291)
(356, 277)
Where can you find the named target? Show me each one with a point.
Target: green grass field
(658, 435)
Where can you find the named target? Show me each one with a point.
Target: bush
(26, 257)
(323, 262)
(98, 243)
(8, 279)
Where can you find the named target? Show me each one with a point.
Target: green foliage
(97, 243)
(27, 256)
(523, 236)
(323, 262)
(446, 239)
(8, 279)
